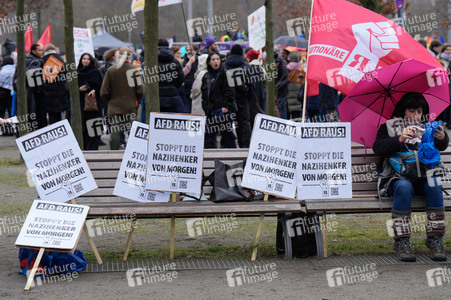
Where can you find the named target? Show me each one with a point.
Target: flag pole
(304, 104)
(186, 26)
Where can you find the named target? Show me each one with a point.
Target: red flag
(348, 40)
(28, 38)
(46, 37)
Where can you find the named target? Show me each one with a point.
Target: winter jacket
(189, 78)
(293, 90)
(121, 96)
(92, 78)
(35, 93)
(6, 76)
(327, 97)
(196, 90)
(171, 77)
(216, 92)
(256, 93)
(387, 146)
(281, 78)
(241, 91)
(55, 91)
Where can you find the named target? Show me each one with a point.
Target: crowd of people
(196, 82)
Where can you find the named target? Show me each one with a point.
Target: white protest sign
(131, 180)
(257, 28)
(324, 168)
(271, 163)
(175, 152)
(52, 225)
(56, 163)
(82, 43)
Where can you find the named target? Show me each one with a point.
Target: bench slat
(196, 208)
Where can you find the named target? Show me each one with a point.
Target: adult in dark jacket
(191, 50)
(242, 93)
(257, 86)
(55, 89)
(328, 101)
(397, 135)
(89, 82)
(218, 104)
(35, 94)
(281, 85)
(170, 77)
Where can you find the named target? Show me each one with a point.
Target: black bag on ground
(302, 228)
(226, 184)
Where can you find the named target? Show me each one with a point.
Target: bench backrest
(105, 166)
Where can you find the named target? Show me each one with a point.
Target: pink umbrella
(372, 101)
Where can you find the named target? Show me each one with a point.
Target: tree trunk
(270, 90)
(21, 96)
(151, 56)
(70, 63)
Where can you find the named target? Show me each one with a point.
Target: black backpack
(302, 231)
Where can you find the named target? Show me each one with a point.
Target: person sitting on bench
(400, 134)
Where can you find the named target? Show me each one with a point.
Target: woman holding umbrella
(394, 137)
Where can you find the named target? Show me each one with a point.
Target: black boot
(437, 248)
(404, 250)
(435, 229)
(401, 234)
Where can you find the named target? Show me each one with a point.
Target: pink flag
(348, 40)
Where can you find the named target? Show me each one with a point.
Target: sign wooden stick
(172, 243)
(324, 232)
(259, 231)
(35, 267)
(90, 240)
(129, 240)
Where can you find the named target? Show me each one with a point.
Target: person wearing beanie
(242, 93)
(252, 55)
(122, 97)
(211, 46)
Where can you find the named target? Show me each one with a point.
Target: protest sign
(56, 163)
(175, 152)
(51, 68)
(82, 43)
(52, 226)
(131, 179)
(257, 28)
(296, 76)
(324, 168)
(271, 163)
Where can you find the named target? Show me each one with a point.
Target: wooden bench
(105, 166)
(364, 195)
